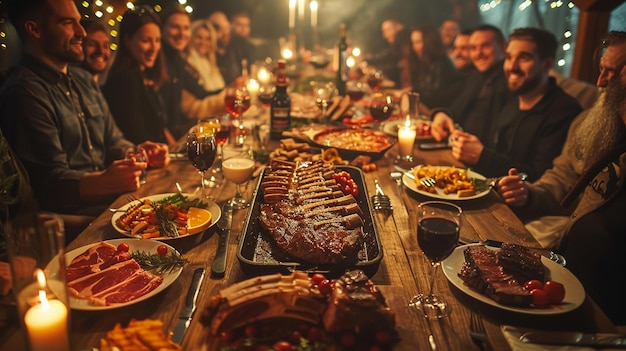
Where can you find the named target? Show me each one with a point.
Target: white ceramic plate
(213, 208)
(411, 184)
(574, 291)
(133, 245)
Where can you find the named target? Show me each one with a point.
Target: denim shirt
(60, 127)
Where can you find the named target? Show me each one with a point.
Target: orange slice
(198, 220)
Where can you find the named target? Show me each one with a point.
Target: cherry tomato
(295, 337)
(282, 346)
(123, 247)
(325, 287)
(540, 298)
(161, 250)
(533, 284)
(317, 278)
(555, 292)
(251, 331)
(347, 190)
(347, 339)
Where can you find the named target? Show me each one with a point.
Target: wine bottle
(280, 107)
(342, 56)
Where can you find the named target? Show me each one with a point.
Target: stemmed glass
(356, 90)
(201, 150)
(238, 168)
(213, 125)
(237, 102)
(381, 106)
(439, 224)
(375, 79)
(324, 92)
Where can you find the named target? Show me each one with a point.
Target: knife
(556, 257)
(219, 262)
(598, 340)
(184, 319)
(405, 172)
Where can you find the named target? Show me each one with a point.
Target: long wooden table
(402, 274)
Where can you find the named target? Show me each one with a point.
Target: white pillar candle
(263, 76)
(301, 12)
(406, 138)
(313, 6)
(46, 324)
(292, 14)
(253, 89)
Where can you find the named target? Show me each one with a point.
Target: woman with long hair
(200, 54)
(135, 77)
(429, 70)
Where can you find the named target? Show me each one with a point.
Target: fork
(380, 201)
(488, 183)
(427, 181)
(478, 333)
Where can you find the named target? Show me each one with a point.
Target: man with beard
(56, 119)
(485, 91)
(97, 49)
(529, 131)
(582, 196)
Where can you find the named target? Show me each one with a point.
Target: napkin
(512, 335)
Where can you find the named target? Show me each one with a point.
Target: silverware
(397, 176)
(558, 258)
(481, 185)
(380, 201)
(478, 333)
(180, 190)
(184, 319)
(225, 223)
(575, 338)
(427, 182)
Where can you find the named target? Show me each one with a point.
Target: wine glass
(201, 150)
(266, 93)
(237, 101)
(375, 79)
(356, 90)
(238, 167)
(213, 125)
(439, 224)
(324, 92)
(381, 106)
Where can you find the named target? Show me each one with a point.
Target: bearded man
(529, 131)
(581, 198)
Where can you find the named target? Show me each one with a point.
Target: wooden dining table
(402, 273)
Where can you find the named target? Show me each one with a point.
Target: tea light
(46, 322)
(406, 138)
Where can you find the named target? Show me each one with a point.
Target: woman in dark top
(132, 87)
(429, 70)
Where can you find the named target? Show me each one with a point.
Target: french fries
(140, 335)
(450, 179)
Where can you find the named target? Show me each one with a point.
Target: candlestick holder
(35, 246)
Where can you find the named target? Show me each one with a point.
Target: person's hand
(6, 281)
(442, 126)
(513, 189)
(158, 154)
(466, 147)
(122, 176)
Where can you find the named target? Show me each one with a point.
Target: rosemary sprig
(158, 264)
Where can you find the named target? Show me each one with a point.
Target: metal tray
(349, 153)
(258, 255)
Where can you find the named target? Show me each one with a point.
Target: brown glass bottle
(280, 107)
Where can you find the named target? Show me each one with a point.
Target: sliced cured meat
(95, 259)
(93, 283)
(135, 286)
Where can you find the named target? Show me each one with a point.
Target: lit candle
(301, 12)
(406, 138)
(46, 322)
(292, 14)
(263, 76)
(253, 89)
(313, 6)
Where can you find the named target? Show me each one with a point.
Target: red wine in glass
(237, 105)
(202, 150)
(355, 95)
(374, 82)
(221, 136)
(380, 110)
(437, 237)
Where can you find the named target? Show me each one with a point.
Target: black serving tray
(258, 255)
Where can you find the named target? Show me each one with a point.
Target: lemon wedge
(198, 220)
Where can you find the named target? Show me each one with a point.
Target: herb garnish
(159, 264)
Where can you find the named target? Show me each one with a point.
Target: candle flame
(44, 300)
(292, 4)
(313, 5)
(350, 62)
(41, 279)
(287, 54)
(407, 122)
(356, 52)
(253, 84)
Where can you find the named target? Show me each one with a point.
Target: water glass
(35, 246)
(138, 155)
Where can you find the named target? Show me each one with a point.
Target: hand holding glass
(439, 224)
(138, 155)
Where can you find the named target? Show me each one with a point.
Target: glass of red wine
(237, 101)
(375, 79)
(381, 106)
(201, 150)
(356, 90)
(266, 93)
(439, 224)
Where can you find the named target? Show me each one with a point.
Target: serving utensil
(380, 201)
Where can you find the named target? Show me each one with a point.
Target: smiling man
(530, 130)
(97, 49)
